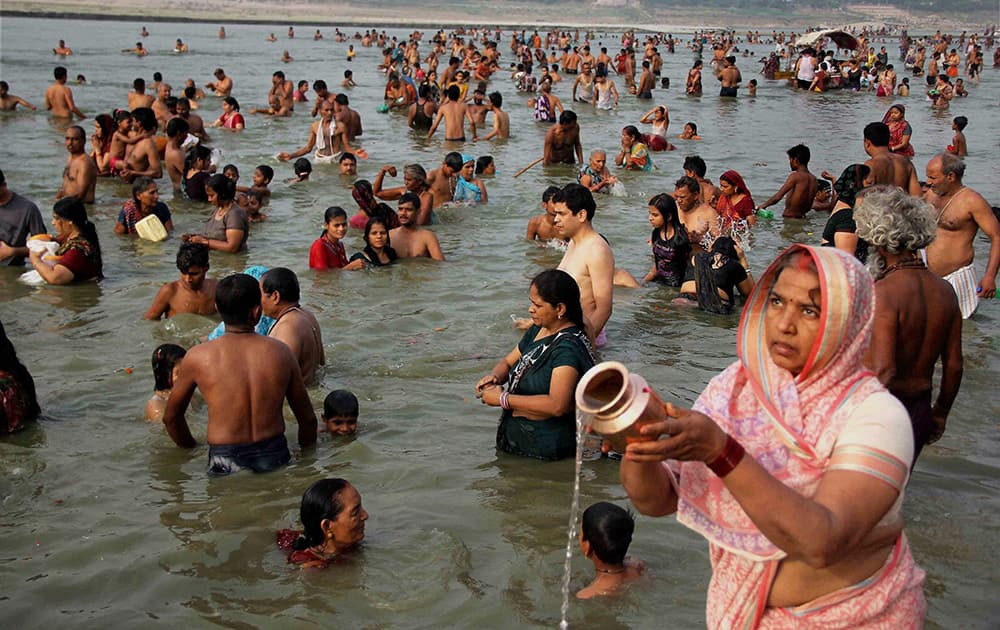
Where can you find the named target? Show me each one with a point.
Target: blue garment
(265, 323)
(467, 191)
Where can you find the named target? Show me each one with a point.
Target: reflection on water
(105, 519)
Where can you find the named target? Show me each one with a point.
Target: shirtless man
(729, 77)
(322, 94)
(888, 167)
(296, 327)
(193, 293)
(442, 180)
(960, 213)
(694, 166)
(196, 125)
(244, 378)
(137, 97)
(698, 217)
(351, 118)
(800, 187)
(910, 338)
(62, 49)
(280, 99)
(80, 174)
(501, 119)
(562, 141)
(543, 227)
(478, 107)
(328, 132)
(454, 113)
(9, 102)
(410, 240)
(173, 154)
(160, 107)
(59, 98)
(143, 158)
(647, 81)
(588, 257)
(222, 86)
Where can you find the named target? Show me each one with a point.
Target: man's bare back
(894, 170)
(244, 378)
(135, 101)
(59, 100)
(299, 330)
(909, 337)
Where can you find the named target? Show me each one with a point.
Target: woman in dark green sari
(541, 373)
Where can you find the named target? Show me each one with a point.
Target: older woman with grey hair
(414, 181)
(144, 202)
(917, 319)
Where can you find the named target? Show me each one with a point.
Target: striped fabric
(965, 283)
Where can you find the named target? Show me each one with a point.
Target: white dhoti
(965, 283)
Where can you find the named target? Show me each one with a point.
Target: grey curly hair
(416, 172)
(889, 218)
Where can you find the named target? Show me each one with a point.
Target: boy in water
(542, 227)
(340, 412)
(958, 146)
(193, 293)
(605, 535)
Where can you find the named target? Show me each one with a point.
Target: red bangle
(731, 456)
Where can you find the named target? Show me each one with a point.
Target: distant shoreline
(312, 15)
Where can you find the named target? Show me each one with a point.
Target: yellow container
(151, 228)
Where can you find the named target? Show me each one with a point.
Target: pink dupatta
(789, 424)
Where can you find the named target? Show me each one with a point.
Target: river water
(106, 522)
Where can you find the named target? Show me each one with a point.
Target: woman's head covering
(850, 182)
(363, 195)
(736, 180)
(788, 423)
(888, 112)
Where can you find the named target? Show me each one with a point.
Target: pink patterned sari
(790, 425)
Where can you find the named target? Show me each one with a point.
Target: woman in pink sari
(793, 462)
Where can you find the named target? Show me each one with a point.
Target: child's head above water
(263, 174)
(606, 532)
(166, 361)
(340, 412)
(303, 168)
(232, 172)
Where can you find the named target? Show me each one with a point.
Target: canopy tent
(841, 38)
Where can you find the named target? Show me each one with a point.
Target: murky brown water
(106, 523)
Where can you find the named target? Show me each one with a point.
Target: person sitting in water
(145, 202)
(327, 251)
(595, 175)
(413, 241)
(735, 202)
(468, 187)
(79, 255)
(18, 402)
(605, 535)
(543, 226)
(690, 132)
(535, 383)
(166, 364)
(377, 251)
(333, 522)
(340, 412)
(634, 155)
(718, 274)
(244, 379)
(193, 292)
(293, 325)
